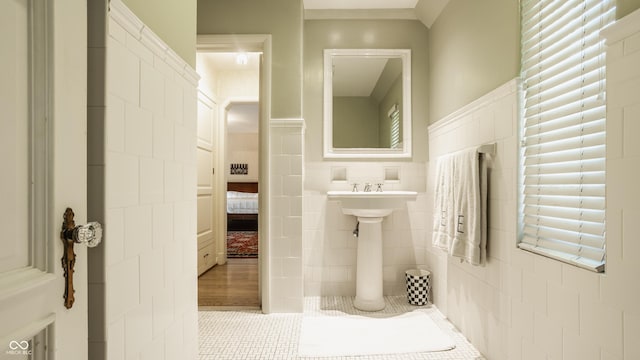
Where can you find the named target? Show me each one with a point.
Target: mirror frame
(367, 153)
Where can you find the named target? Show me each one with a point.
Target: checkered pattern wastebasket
(418, 286)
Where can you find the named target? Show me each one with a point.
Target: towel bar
(487, 149)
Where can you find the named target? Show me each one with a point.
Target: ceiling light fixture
(242, 59)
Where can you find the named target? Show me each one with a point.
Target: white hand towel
(443, 204)
(468, 214)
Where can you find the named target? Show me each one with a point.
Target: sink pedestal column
(369, 266)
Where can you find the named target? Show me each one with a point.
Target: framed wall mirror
(367, 103)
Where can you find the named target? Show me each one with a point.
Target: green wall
(474, 48)
(363, 34)
(626, 7)
(172, 20)
(280, 18)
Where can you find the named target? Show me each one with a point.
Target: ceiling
(426, 11)
(227, 61)
(356, 76)
(241, 117)
(360, 4)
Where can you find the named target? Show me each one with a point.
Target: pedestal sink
(370, 208)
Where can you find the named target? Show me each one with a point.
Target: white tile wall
(523, 306)
(329, 245)
(285, 217)
(148, 161)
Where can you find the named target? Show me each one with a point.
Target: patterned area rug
(242, 244)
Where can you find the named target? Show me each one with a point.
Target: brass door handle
(89, 234)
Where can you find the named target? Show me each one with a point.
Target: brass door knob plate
(89, 235)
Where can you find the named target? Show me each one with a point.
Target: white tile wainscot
(476, 299)
(285, 216)
(142, 185)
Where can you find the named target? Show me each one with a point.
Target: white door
(43, 146)
(207, 155)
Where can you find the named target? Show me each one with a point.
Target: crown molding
(360, 14)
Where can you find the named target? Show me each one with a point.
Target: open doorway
(229, 109)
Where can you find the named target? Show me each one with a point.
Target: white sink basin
(370, 208)
(371, 204)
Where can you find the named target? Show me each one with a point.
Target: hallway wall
(142, 186)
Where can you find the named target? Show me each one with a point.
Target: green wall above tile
(172, 20)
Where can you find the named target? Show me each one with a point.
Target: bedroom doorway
(231, 79)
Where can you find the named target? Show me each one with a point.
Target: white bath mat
(323, 336)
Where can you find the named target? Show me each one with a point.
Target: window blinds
(563, 130)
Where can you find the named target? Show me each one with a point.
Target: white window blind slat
(569, 28)
(565, 213)
(536, 236)
(543, 12)
(570, 249)
(575, 110)
(568, 144)
(565, 56)
(594, 152)
(576, 202)
(596, 127)
(557, 41)
(568, 241)
(576, 99)
(569, 86)
(596, 177)
(571, 230)
(557, 123)
(567, 167)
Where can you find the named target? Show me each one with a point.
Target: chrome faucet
(355, 187)
(367, 187)
(379, 187)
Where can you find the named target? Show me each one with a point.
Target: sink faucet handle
(355, 187)
(379, 187)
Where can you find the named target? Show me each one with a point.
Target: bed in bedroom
(242, 206)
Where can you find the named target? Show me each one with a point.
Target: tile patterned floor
(226, 335)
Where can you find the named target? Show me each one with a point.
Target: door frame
(254, 43)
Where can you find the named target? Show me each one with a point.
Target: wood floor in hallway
(231, 286)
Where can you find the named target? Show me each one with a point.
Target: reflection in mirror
(366, 92)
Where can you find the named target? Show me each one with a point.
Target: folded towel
(460, 200)
(443, 204)
(467, 235)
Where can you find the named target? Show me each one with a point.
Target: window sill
(580, 262)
